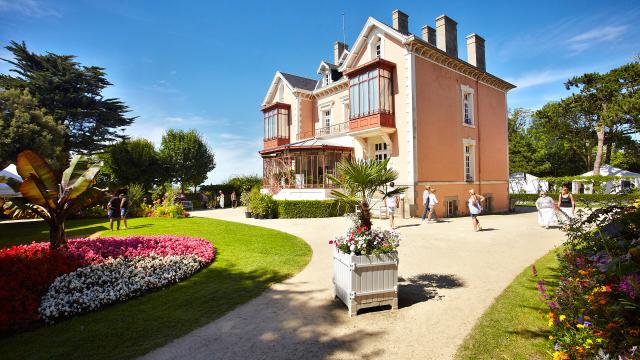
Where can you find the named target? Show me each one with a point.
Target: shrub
(595, 308)
(244, 198)
(581, 199)
(291, 209)
(135, 194)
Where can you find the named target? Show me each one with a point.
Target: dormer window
(326, 78)
(378, 53)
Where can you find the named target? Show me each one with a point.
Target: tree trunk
(607, 157)
(56, 234)
(365, 214)
(597, 163)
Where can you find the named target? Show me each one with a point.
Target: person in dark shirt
(113, 211)
(124, 209)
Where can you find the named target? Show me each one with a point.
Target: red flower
(330, 241)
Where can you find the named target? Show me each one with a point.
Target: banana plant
(48, 197)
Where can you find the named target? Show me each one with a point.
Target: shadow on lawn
(425, 287)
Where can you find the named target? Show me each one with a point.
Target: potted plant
(244, 200)
(365, 260)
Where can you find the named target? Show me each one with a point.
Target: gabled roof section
(293, 82)
(299, 82)
(361, 40)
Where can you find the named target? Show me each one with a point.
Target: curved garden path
(449, 276)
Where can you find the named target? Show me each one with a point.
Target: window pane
(365, 97)
(373, 85)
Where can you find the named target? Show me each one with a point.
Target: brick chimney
(400, 21)
(429, 34)
(475, 51)
(338, 48)
(447, 35)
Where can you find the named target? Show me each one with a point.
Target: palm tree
(359, 180)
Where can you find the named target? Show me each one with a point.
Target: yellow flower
(550, 337)
(580, 326)
(550, 322)
(599, 341)
(560, 355)
(562, 317)
(588, 342)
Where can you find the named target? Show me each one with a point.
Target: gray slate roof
(300, 82)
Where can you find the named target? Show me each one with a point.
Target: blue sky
(207, 65)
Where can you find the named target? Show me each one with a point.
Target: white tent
(611, 187)
(523, 183)
(5, 190)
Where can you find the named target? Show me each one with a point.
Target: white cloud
(31, 8)
(239, 157)
(536, 78)
(589, 38)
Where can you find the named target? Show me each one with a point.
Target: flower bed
(595, 309)
(39, 283)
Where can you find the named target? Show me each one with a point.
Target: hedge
(292, 209)
(582, 199)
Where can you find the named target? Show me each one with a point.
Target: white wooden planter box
(365, 281)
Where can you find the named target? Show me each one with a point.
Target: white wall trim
(464, 89)
(325, 105)
(410, 116)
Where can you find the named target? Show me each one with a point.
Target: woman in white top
(546, 210)
(221, 199)
(433, 201)
(475, 208)
(392, 202)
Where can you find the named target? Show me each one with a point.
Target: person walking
(124, 209)
(425, 202)
(234, 200)
(433, 201)
(475, 208)
(566, 204)
(546, 210)
(392, 202)
(204, 199)
(113, 211)
(221, 199)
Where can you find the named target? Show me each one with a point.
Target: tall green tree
(131, 162)
(72, 94)
(24, 125)
(611, 101)
(526, 153)
(185, 157)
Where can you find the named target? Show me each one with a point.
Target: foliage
(360, 180)
(25, 126)
(131, 162)
(254, 258)
(581, 199)
(72, 94)
(292, 209)
(185, 157)
(363, 241)
(262, 204)
(244, 199)
(135, 195)
(174, 211)
(51, 198)
(243, 184)
(526, 152)
(214, 190)
(595, 309)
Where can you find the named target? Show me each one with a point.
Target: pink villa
(441, 121)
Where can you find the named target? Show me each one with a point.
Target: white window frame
(467, 98)
(326, 118)
(381, 151)
(376, 39)
(472, 160)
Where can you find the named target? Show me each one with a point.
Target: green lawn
(515, 326)
(249, 260)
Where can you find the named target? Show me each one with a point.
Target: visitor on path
(425, 202)
(234, 200)
(566, 204)
(124, 209)
(221, 199)
(433, 201)
(204, 199)
(113, 211)
(475, 208)
(392, 202)
(546, 210)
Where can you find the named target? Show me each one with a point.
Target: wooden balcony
(325, 131)
(275, 142)
(373, 121)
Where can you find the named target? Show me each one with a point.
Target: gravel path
(449, 276)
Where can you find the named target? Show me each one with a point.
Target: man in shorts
(113, 211)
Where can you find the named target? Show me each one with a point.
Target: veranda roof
(328, 144)
(5, 190)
